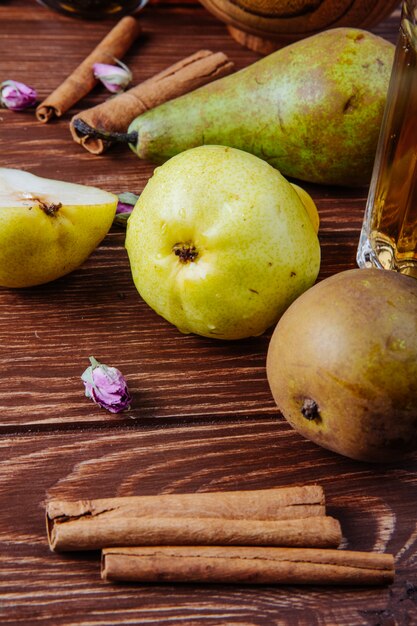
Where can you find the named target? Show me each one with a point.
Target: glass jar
(389, 233)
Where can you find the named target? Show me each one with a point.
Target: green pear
(220, 243)
(342, 364)
(312, 110)
(48, 227)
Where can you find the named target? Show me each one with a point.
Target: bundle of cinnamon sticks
(270, 536)
(115, 114)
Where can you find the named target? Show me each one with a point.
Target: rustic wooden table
(202, 418)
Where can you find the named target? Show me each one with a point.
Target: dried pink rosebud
(127, 201)
(16, 96)
(124, 207)
(106, 386)
(115, 78)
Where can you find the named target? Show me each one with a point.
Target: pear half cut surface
(48, 228)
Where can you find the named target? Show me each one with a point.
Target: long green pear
(312, 109)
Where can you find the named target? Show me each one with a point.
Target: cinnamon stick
(276, 503)
(114, 46)
(68, 519)
(247, 565)
(94, 534)
(115, 114)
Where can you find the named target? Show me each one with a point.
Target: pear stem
(185, 251)
(83, 129)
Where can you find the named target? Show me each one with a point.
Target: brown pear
(342, 364)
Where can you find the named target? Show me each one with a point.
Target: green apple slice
(48, 227)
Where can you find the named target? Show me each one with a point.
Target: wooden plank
(191, 394)
(376, 507)
(48, 332)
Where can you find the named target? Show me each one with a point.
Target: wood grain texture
(48, 332)
(204, 418)
(376, 508)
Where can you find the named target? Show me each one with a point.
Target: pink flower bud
(127, 201)
(114, 77)
(16, 96)
(106, 386)
(124, 207)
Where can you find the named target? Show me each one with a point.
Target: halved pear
(48, 228)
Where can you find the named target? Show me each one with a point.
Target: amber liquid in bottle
(389, 236)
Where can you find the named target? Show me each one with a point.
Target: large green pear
(220, 243)
(342, 364)
(312, 109)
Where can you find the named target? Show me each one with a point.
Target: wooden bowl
(265, 25)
